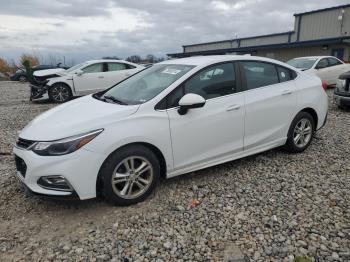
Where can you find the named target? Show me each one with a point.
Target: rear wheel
(60, 93)
(130, 175)
(300, 133)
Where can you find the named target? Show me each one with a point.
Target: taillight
(324, 85)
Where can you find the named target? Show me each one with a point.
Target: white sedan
(175, 117)
(85, 78)
(328, 68)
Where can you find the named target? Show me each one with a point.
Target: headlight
(64, 146)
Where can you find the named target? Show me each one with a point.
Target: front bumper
(79, 168)
(342, 98)
(37, 91)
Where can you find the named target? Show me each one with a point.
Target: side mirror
(79, 72)
(189, 101)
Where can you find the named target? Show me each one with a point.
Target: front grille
(21, 165)
(23, 143)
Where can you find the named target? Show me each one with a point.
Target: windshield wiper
(115, 100)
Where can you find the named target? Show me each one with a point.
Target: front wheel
(300, 133)
(60, 93)
(130, 175)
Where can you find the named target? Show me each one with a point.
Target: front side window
(215, 81)
(147, 84)
(333, 62)
(259, 74)
(115, 66)
(323, 63)
(94, 68)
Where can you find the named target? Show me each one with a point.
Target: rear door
(270, 102)
(116, 72)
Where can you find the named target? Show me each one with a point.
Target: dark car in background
(22, 76)
(342, 91)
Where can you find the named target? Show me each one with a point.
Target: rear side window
(333, 61)
(259, 74)
(284, 74)
(115, 66)
(322, 64)
(129, 66)
(215, 81)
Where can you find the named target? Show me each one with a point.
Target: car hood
(75, 117)
(48, 72)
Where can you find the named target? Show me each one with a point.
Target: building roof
(326, 41)
(323, 10)
(242, 38)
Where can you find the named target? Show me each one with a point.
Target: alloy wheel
(132, 177)
(302, 133)
(60, 93)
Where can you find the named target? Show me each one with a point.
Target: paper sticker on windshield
(171, 71)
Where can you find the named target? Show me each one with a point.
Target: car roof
(207, 60)
(313, 57)
(107, 60)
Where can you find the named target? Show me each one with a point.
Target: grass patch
(302, 259)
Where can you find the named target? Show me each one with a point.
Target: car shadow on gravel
(48, 101)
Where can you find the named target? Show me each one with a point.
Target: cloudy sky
(88, 29)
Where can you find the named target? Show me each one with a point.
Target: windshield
(302, 63)
(147, 84)
(75, 67)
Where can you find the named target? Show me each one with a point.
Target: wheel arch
(313, 113)
(62, 82)
(155, 150)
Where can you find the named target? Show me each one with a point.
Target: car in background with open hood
(86, 78)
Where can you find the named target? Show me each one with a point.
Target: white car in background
(328, 68)
(175, 117)
(83, 79)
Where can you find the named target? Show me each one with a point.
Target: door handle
(233, 107)
(286, 92)
(101, 77)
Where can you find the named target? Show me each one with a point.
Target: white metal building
(319, 32)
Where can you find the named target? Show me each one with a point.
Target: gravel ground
(272, 206)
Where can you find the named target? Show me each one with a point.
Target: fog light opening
(55, 183)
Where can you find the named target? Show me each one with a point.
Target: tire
(22, 79)
(115, 168)
(60, 93)
(304, 125)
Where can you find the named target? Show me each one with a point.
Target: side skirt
(225, 159)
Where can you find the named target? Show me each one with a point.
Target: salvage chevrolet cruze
(172, 118)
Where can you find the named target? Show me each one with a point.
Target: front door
(211, 133)
(269, 104)
(91, 80)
